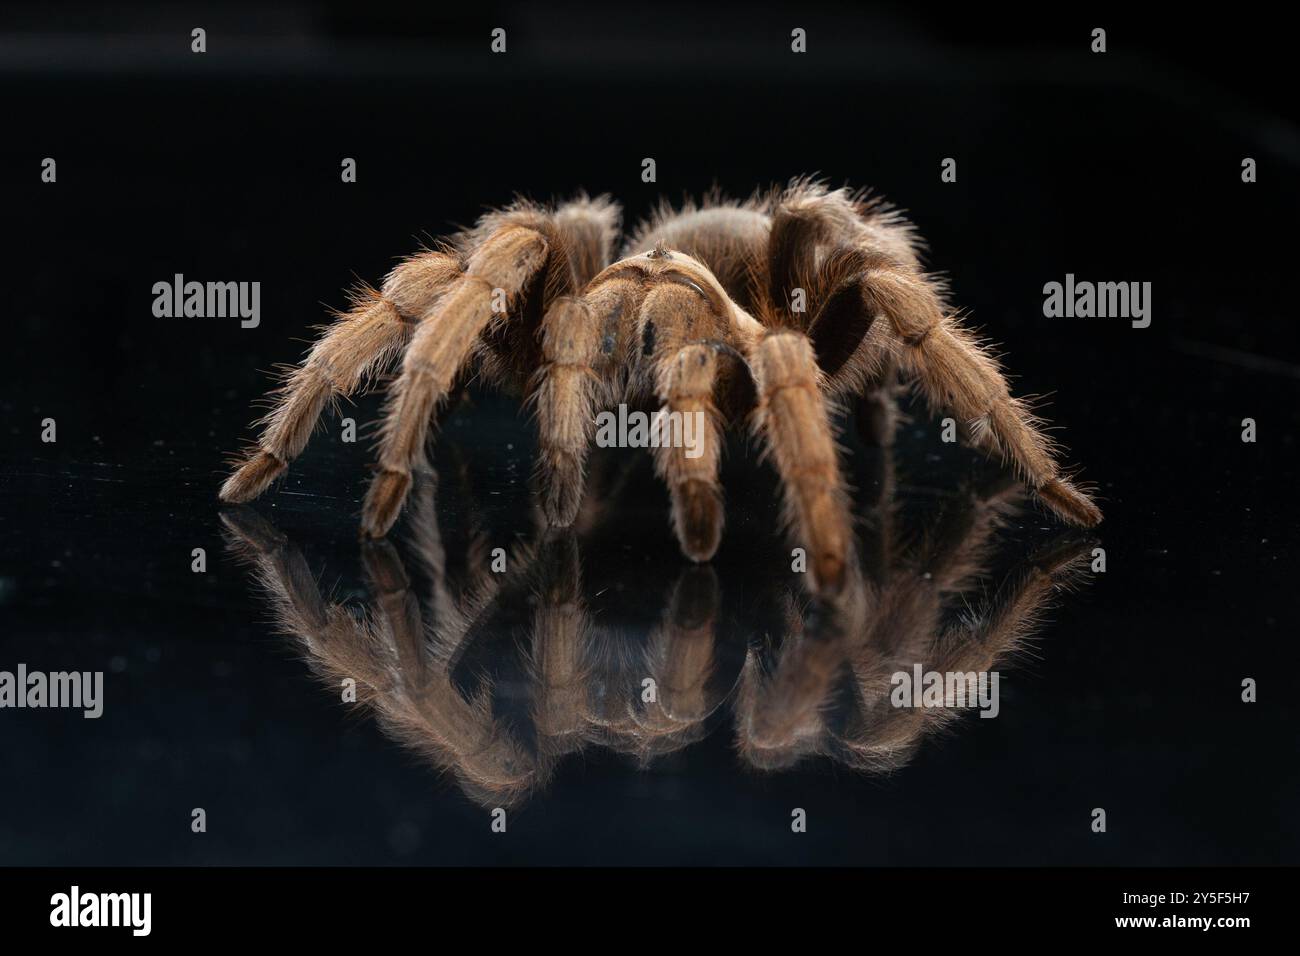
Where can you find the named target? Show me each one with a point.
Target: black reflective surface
(1127, 697)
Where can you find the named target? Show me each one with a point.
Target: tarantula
(768, 310)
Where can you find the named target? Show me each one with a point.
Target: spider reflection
(497, 677)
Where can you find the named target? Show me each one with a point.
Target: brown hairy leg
(956, 372)
(677, 314)
(507, 260)
(794, 422)
(578, 371)
(575, 338)
(359, 345)
(649, 309)
(686, 388)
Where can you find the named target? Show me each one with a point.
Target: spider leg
(578, 336)
(575, 336)
(781, 714)
(681, 652)
(357, 346)
(1009, 617)
(795, 424)
(690, 467)
(648, 327)
(419, 701)
(559, 644)
(957, 373)
(675, 316)
(395, 610)
(430, 554)
(507, 260)
(854, 251)
(343, 644)
(876, 415)
(386, 654)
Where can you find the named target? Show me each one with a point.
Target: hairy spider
(767, 311)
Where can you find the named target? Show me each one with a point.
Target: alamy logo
(917, 688)
(659, 430)
(103, 909)
(208, 300)
(1098, 300)
(36, 689)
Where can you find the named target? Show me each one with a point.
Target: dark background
(1123, 166)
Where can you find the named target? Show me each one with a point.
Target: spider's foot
(252, 478)
(384, 502)
(562, 489)
(253, 530)
(1061, 554)
(695, 598)
(1070, 503)
(697, 513)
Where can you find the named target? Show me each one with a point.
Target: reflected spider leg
(680, 654)
(558, 659)
(385, 653)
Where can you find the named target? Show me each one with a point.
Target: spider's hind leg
(957, 373)
(901, 320)
(360, 344)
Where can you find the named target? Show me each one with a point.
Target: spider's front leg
(649, 326)
(690, 467)
(795, 424)
(684, 321)
(507, 260)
